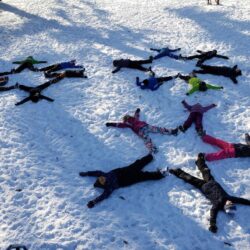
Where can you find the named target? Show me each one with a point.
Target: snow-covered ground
(44, 145)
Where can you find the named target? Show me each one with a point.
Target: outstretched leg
(239, 200)
(143, 133)
(205, 171)
(187, 124)
(217, 142)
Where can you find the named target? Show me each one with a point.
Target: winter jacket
(153, 83)
(197, 107)
(198, 85)
(132, 122)
(30, 60)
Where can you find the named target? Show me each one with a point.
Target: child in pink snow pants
(228, 150)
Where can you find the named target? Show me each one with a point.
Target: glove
(213, 228)
(222, 87)
(187, 93)
(110, 124)
(91, 204)
(83, 174)
(138, 110)
(182, 101)
(214, 105)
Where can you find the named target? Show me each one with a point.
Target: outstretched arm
(205, 109)
(220, 56)
(137, 114)
(46, 98)
(210, 86)
(23, 101)
(186, 105)
(116, 70)
(234, 79)
(104, 195)
(37, 62)
(117, 124)
(199, 51)
(173, 50)
(96, 173)
(18, 62)
(158, 50)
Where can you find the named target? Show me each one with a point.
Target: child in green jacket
(197, 84)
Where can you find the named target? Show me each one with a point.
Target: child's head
(238, 72)
(115, 63)
(145, 82)
(100, 182)
(126, 117)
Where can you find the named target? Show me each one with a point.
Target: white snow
(45, 145)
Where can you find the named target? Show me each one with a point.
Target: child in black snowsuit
(204, 56)
(35, 92)
(122, 177)
(229, 72)
(127, 63)
(211, 189)
(66, 73)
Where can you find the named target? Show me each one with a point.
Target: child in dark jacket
(65, 74)
(122, 177)
(197, 84)
(153, 83)
(35, 92)
(132, 64)
(228, 150)
(204, 56)
(142, 129)
(63, 65)
(196, 115)
(166, 52)
(229, 72)
(213, 191)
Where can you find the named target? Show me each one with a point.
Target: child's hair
(126, 117)
(145, 82)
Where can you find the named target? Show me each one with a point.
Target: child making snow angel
(153, 83)
(123, 177)
(132, 64)
(142, 129)
(166, 52)
(196, 115)
(228, 150)
(213, 191)
(197, 84)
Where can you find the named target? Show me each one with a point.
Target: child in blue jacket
(153, 83)
(166, 52)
